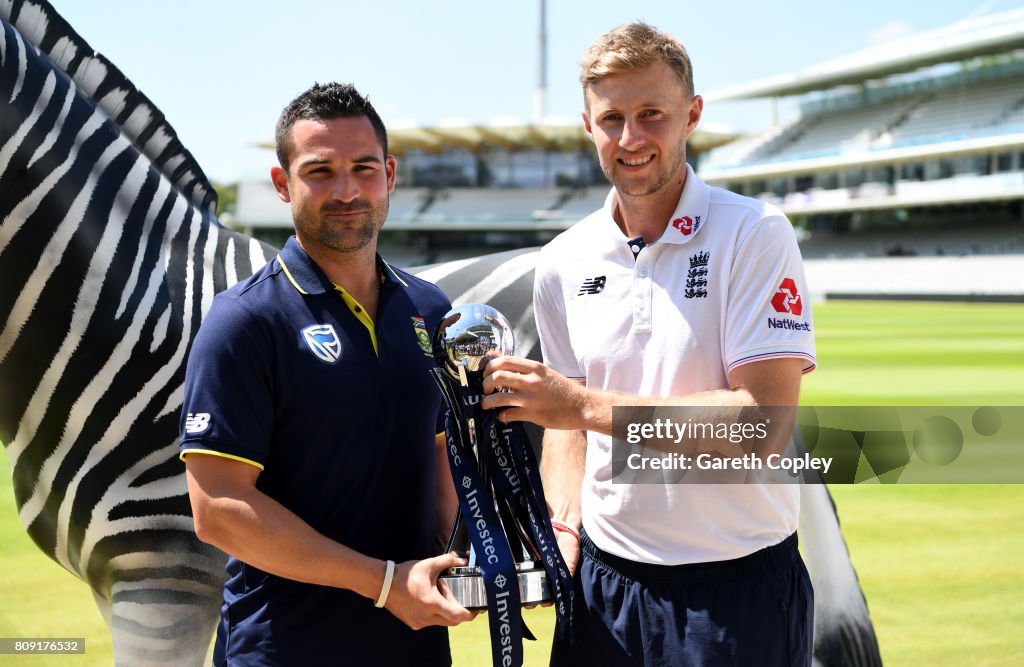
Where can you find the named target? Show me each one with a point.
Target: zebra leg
(843, 633)
(164, 608)
(103, 604)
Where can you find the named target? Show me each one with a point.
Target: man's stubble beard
(332, 235)
(663, 179)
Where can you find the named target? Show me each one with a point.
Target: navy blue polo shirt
(289, 374)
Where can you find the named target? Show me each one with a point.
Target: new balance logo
(197, 422)
(592, 285)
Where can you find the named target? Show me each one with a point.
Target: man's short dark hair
(325, 101)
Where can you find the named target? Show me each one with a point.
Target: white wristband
(389, 574)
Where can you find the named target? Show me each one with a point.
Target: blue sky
(221, 70)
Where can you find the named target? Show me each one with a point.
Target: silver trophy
(467, 338)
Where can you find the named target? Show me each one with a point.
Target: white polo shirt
(723, 286)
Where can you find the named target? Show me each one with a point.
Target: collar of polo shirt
(683, 226)
(308, 278)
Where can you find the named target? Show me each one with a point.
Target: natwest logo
(787, 299)
(684, 225)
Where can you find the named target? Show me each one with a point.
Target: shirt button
(643, 274)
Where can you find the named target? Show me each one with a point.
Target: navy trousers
(757, 610)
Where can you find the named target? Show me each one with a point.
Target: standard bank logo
(197, 422)
(323, 342)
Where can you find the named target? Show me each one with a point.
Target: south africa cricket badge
(420, 329)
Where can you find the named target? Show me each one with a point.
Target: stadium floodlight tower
(541, 93)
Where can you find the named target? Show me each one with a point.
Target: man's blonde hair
(632, 47)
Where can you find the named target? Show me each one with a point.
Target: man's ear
(586, 124)
(391, 169)
(695, 113)
(279, 177)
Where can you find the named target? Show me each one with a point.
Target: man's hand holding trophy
(503, 527)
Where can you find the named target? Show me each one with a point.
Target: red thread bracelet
(565, 528)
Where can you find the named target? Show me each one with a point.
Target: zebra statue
(110, 255)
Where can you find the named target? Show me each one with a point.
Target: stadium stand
(962, 106)
(510, 178)
(910, 152)
(492, 204)
(974, 278)
(906, 152)
(407, 203)
(580, 203)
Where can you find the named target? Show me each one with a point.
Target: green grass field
(941, 565)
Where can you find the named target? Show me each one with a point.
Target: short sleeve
(552, 327)
(768, 314)
(228, 408)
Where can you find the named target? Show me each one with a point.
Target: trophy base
(467, 585)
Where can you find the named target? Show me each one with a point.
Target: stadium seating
(958, 242)
(831, 134)
(406, 203)
(583, 202)
(953, 112)
(962, 112)
(497, 204)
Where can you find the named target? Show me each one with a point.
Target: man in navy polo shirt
(309, 422)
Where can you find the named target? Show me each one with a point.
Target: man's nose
(632, 135)
(345, 189)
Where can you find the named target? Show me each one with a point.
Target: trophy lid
(467, 337)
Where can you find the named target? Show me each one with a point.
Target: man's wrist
(385, 589)
(596, 411)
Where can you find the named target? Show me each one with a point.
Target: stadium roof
(986, 35)
(560, 138)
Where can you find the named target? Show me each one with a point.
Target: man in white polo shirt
(677, 294)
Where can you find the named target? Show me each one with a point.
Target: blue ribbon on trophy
(503, 527)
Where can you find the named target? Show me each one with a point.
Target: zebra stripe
(109, 257)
